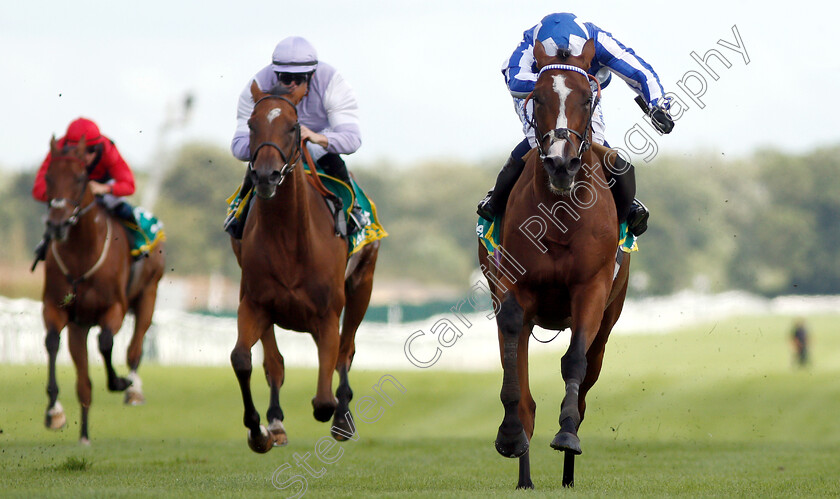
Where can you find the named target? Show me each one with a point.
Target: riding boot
(124, 211)
(234, 226)
(334, 166)
(41, 250)
(495, 202)
(627, 207)
(637, 218)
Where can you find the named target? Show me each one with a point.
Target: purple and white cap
(294, 55)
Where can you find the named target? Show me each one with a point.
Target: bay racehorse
(564, 278)
(295, 274)
(90, 280)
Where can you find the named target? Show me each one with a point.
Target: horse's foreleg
(77, 339)
(251, 325)
(327, 340)
(110, 325)
(144, 308)
(275, 375)
(54, 418)
(587, 312)
(511, 440)
(527, 407)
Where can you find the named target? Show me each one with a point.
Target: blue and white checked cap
(561, 31)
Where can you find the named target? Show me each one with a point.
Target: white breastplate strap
(96, 265)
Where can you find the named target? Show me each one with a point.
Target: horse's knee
(240, 359)
(106, 341)
(51, 342)
(510, 316)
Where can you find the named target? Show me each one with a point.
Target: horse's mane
(563, 54)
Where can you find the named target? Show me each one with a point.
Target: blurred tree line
(769, 224)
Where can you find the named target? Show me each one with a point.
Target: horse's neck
(287, 213)
(87, 236)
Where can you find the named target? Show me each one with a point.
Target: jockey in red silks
(110, 177)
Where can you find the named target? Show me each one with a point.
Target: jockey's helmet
(83, 127)
(294, 55)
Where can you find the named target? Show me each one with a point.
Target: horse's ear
(299, 93)
(53, 146)
(256, 93)
(81, 146)
(540, 56)
(588, 52)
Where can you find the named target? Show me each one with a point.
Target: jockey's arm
(343, 136)
(628, 66)
(122, 179)
(240, 145)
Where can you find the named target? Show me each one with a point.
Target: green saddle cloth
(371, 232)
(146, 233)
(488, 233)
(349, 195)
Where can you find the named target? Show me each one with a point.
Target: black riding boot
(334, 166)
(627, 207)
(41, 250)
(234, 226)
(495, 202)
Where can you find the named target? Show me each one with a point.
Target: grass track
(714, 410)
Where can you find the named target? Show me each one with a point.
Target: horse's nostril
(574, 165)
(274, 177)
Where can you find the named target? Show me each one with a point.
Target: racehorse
(90, 280)
(565, 277)
(295, 274)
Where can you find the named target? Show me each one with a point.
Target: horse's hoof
(262, 443)
(566, 441)
(134, 397)
(323, 412)
(55, 418)
(278, 433)
(525, 485)
(118, 384)
(342, 430)
(512, 446)
(84, 442)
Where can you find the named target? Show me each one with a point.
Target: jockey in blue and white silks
(565, 32)
(328, 114)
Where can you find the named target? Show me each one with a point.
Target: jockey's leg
(334, 166)
(628, 208)
(496, 200)
(232, 225)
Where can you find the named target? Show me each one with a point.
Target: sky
(426, 73)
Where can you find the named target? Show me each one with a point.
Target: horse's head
(66, 180)
(563, 105)
(275, 137)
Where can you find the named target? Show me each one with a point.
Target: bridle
(565, 133)
(296, 151)
(78, 210)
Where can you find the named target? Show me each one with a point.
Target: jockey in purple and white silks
(328, 114)
(564, 32)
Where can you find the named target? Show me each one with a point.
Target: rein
(288, 165)
(564, 133)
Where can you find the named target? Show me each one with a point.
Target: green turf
(714, 410)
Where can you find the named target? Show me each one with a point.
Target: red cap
(80, 127)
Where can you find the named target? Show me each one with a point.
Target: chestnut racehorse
(564, 278)
(89, 281)
(295, 274)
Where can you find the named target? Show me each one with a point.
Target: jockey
(565, 31)
(110, 178)
(328, 115)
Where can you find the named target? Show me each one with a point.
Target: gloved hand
(661, 120)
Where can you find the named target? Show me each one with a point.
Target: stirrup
(357, 220)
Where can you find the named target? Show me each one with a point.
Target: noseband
(566, 133)
(295, 153)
